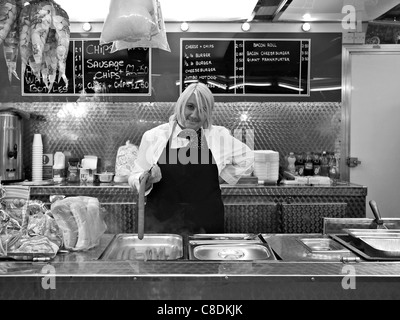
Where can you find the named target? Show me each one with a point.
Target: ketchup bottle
(324, 164)
(299, 164)
(308, 165)
(317, 164)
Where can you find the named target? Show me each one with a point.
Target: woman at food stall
(185, 161)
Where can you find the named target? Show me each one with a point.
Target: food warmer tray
(366, 248)
(231, 251)
(375, 233)
(151, 247)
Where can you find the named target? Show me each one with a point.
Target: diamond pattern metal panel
(286, 127)
(101, 128)
(308, 218)
(113, 194)
(350, 190)
(251, 218)
(120, 218)
(353, 196)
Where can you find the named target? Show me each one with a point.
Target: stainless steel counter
(81, 275)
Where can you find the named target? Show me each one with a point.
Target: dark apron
(187, 199)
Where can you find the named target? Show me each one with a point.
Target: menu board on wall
(247, 66)
(91, 68)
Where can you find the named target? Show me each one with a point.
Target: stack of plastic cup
(37, 158)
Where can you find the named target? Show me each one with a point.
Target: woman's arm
(239, 159)
(145, 162)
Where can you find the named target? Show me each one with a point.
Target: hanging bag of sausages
(134, 23)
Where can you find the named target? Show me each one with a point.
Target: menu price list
(92, 69)
(247, 66)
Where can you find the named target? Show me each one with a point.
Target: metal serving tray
(323, 245)
(223, 242)
(361, 248)
(382, 247)
(375, 233)
(151, 247)
(232, 252)
(224, 236)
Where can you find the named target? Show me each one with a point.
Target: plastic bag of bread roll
(61, 211)
(137, 24)
(80, 220)
(125, 160)
(91, 225)
(129, 20)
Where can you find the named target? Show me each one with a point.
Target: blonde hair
(204, 99)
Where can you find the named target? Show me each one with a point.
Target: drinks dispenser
(10, 146)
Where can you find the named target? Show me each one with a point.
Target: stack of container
(266, 165)
(37, 158)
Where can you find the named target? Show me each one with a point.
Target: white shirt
(232, 157)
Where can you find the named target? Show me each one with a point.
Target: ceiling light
(184, 26)
(306, 27)
(244, 117)
(246, 26)
(87, 26)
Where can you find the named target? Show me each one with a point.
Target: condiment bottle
(299, 164)
(73, 170)
(59, 167)
(317, 164)
(308, 165)
(333, 168)
(291, 163)
(324, 164)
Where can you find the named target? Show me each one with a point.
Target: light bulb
(87, 26)
(306, 26)
(184, 26)
(246, 26)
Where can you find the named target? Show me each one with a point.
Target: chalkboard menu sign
(247, 66)
(91, 68)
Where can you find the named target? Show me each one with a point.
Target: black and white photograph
(199, 158)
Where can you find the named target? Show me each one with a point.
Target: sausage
(142, 190)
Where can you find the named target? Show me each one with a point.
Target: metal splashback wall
(101, 128)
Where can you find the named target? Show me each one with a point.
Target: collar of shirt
(177, 142)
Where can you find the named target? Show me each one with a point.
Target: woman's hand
(155, 176)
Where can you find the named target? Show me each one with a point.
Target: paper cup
(37, 140)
